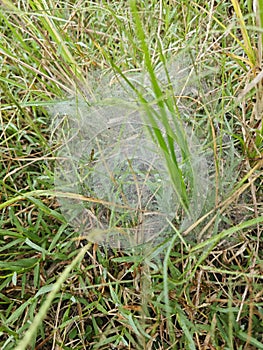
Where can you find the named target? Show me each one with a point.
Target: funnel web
(107, 156)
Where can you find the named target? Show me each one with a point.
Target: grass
(202, 287)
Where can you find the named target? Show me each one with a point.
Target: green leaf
(186, 327)
(17, 265)
(45, 290)
(35, 246)
(252, 341)
(19, 311)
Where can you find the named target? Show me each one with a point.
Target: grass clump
(201, 287)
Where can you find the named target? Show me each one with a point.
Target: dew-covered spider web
(117, 188)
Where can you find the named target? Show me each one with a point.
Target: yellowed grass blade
(247, 43)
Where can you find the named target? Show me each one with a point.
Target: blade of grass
(32, 69)
(168, 146)
(48, 23)
(30, 333)
(247, 43)
(252, 341)
(260, 14)
(226, 30)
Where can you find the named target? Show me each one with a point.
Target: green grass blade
(47, 303)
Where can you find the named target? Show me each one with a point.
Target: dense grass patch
(202, 287)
